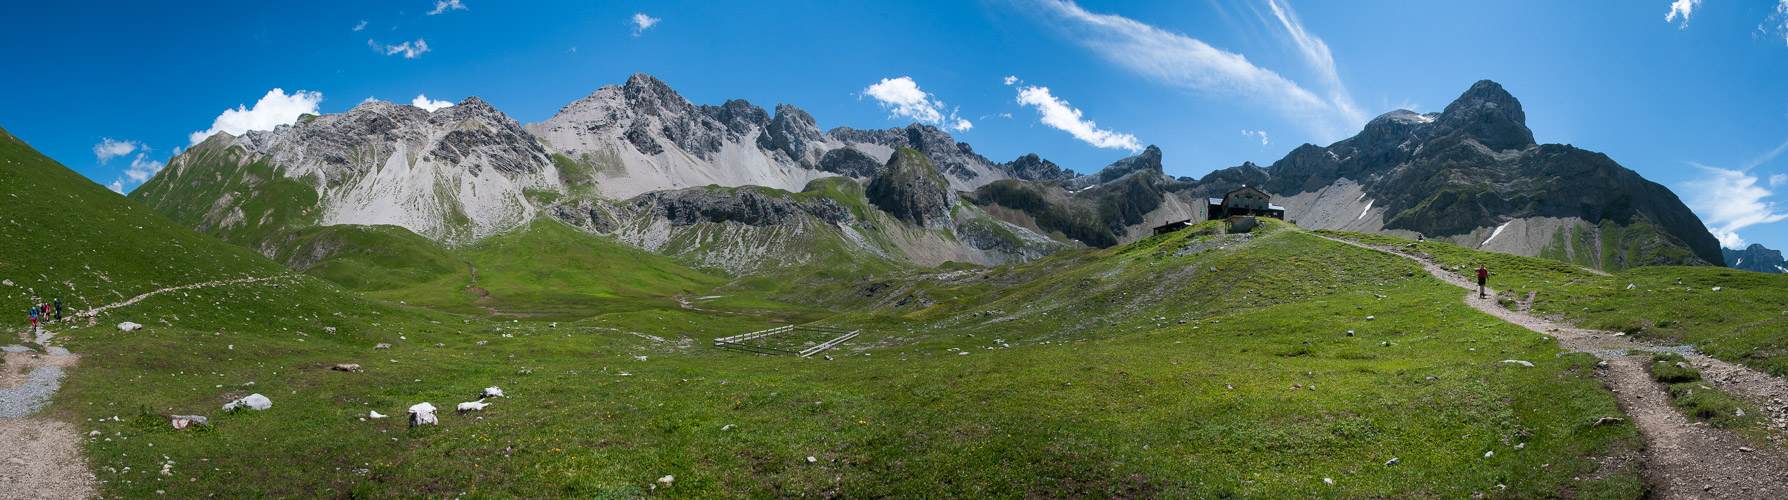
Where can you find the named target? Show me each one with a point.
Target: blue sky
(1689, 93)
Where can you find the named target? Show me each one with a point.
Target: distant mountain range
(1756, 258)
(738, 188)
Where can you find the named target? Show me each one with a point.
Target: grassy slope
(1743, 322)
(1140, 407)
(71, 239)
(549, 271)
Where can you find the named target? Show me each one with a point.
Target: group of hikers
(41, 313)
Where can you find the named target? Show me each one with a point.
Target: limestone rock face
(743, 205)
(912, 189)
(849, 162)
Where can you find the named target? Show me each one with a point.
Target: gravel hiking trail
(1683, 459)
(40, 458)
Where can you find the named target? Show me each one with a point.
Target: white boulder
(252, 402)
(129, 326)
(491, 392)
(375, 414)
(472, 406)
(423, 414)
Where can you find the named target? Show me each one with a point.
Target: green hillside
(1191, 364)
(71, 239)
(1742, 322)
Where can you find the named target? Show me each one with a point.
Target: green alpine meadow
(1006, 249)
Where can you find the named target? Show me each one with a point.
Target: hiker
(58, 310)
(33, 313)
(1483, 275)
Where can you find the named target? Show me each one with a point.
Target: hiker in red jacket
(1483, 275)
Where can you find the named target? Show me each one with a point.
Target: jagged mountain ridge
(634, 162)
(1756, 258)
(1471, 174)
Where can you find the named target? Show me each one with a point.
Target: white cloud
(369, 99)
(360, 26)
(108, 148)
(1011, 80)
(1778, 180)
(410, 50)
(1730, 200)
(446, 5)
(903, 98)
(422, 101)
(1262, 134)
(1682, 8)
(641, 22)
(142, 168)
(1057, 113)
(1182, 61)
(1777, 22)
(116, 186)
(274, 109)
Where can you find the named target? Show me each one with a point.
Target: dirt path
(1683, 459)
(95, 311)
(39, 457)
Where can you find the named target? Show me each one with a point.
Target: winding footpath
(1683, 459)
(40, 458)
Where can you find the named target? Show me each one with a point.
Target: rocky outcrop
(793, 134)
(748, 206)
(1148, 161)
(1756, 258)
(849, 162)
(912, 189)
(1031, 167)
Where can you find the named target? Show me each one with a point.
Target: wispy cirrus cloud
(1730, 200)
(902, 97)
(1182, 61)
(1059, 114)
(108, 149)
(641, 22)
(410, 50)
(274, 109)
(446, 5)
(360, 26)
(1261, 134)
(1681, 8)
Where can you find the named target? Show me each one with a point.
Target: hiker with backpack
(33, 313)
(1483, 275)
(58, 310)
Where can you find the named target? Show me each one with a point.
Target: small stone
(1489, 454)
(666, 480)
(1392, 461)
(1370, 318)
(1350, 333)
(1745, 449)
(810, 459)
(728, 427)
(1328, 481)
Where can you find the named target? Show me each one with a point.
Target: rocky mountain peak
(794, 133)
(1490, 115)
(1147, 161)
(911, 189)
(650, 96)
